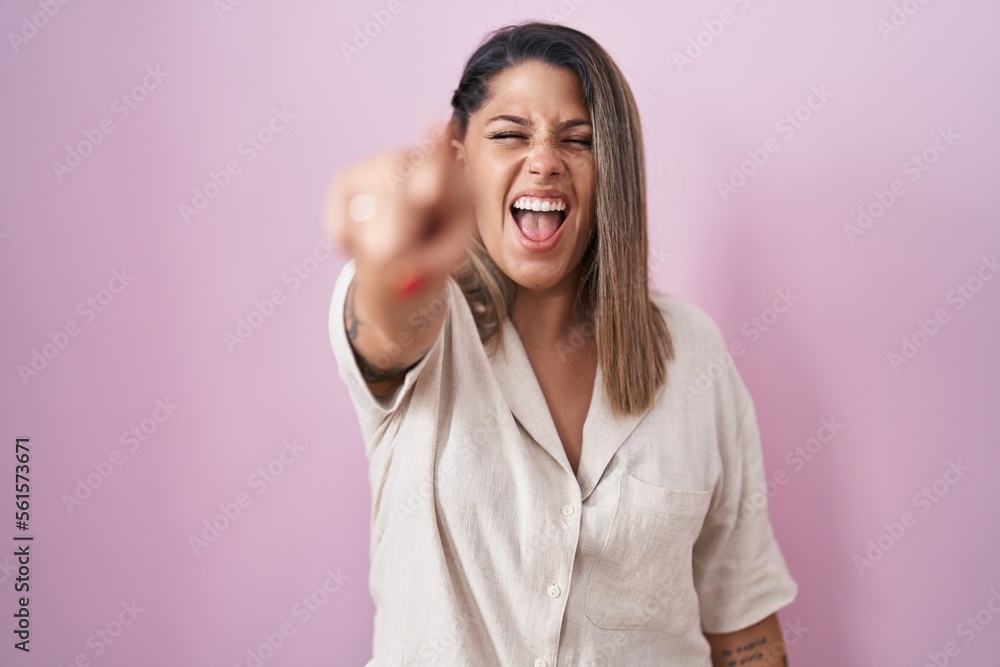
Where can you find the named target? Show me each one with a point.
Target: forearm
(388, 335)
(760, 645)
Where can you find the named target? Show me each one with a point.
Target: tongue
(538, 225)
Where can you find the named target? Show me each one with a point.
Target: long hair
(633, 343)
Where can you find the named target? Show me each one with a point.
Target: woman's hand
(407, 219)
(403, 214)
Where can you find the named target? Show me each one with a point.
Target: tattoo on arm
(372, 374)
(375, 375)
(350, 316)
(752, 653)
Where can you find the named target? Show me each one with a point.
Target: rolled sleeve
(372, 410)
(740, 573)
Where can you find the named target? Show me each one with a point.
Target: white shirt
(486, 549)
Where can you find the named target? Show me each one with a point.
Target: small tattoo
(751, 653)
(350, 314)
(374, 375)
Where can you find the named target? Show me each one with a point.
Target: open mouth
(539, 219)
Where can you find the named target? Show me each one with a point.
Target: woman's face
(529, 147)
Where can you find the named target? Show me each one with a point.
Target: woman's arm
(399, 338)
(760, 645)
(406, 236)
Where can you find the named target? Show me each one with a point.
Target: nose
(545, 162)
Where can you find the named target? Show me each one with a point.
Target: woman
(562, 473)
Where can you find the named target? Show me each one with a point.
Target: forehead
(537, 91)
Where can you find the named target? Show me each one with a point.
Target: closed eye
(517, 135)
(507, 135)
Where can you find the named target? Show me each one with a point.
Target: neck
(545, 317)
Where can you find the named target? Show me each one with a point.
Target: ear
(460, 153)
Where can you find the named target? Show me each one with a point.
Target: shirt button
(541, 663)
(554, 591)
(568, 510)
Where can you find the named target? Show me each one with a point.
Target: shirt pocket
(643, 578)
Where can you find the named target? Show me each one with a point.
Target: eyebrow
(574, 122)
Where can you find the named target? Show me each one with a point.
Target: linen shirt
(486, 549)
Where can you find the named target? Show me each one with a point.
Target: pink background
(163, 335)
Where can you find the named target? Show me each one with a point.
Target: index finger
(430, 186)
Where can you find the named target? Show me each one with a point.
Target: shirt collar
(603, 433)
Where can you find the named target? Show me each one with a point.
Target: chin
(536, 273)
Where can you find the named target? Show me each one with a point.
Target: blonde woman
(561, 474)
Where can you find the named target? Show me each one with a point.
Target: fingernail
(361, 207)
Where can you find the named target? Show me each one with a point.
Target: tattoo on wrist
(372, 374)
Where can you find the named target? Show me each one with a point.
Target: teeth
(533, 204)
